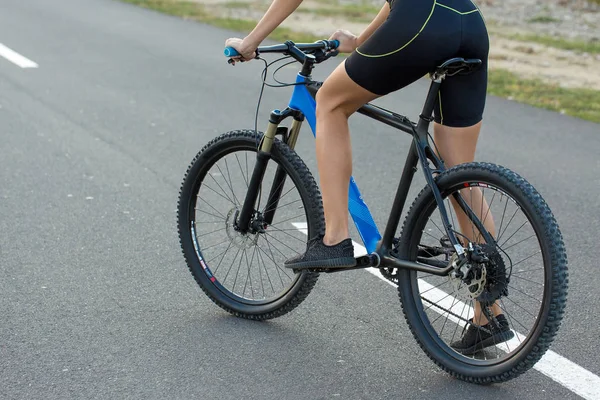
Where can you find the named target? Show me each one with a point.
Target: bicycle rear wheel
(527, 279)
(244, 273)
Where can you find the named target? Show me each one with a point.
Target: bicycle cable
(264, 83)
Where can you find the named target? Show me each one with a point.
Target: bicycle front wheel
(525, 279)
(243, 272)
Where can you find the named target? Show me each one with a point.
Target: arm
(278, 11)
(275, 15)
(376, 23)
(349, 42)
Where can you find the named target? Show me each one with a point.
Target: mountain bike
(248, 202)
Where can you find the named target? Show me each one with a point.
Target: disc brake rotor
(240, 240)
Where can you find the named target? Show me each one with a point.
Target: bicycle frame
(302, 105)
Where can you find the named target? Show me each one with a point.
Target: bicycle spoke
(247, 171)
(217, 193)
(228, 247)
(289, 219)
(519, 242)
(507, 224)
(277, 266)
(443, 298)
(479, 234)
(281, 206)
(226, 182)
(238, 270)
(438, 228)
(242, 170)
(223, 190)
(432, 304)
(206, 212)
(429, 234)
(208, 233)
(523, 293)
(218, 212)
(512, 318)
(526, 271)
(274, 238)
(528, 280)
(505, 311)
(209, 261)
(231, 266)
(520, 306)
(454, 300)
(276, 269)
(514, 233)
(260, 276)
(290, 235)
(286, 193)
(434, 287)
(272, 260)
(215, 245)
(248, 267)
(457, 324)
(503, 214)
(526, 258)
(269, 279)
(489, 208)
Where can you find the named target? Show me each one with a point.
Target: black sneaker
(319, 255)
(479, 337)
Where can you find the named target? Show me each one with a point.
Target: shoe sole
(345, 262)
(494, 340)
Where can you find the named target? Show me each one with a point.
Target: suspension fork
(242, 223)
(280, 174)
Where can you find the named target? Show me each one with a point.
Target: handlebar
(296, 50)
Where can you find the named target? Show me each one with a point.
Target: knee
(330, 102)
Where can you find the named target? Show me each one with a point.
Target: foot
(476, 338)
(320, 255)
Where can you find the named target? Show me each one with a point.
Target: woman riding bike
(406, 40)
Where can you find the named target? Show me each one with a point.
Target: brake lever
(232, 61)
(322, 56)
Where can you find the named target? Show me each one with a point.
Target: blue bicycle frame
(302, 105)
(304, 102)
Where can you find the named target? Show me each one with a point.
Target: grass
(581, 103)
(197, 12)
(591, 47)
(353, 12)
(543, 19)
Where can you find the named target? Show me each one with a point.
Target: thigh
(339, 92)
(461, 98)
(414, 39)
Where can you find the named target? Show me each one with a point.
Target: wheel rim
(246, 268)
(445, 310)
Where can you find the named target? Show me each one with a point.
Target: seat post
(427, 114)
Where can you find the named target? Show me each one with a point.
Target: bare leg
(457, 146)
(338, 98)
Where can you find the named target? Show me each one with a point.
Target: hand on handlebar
(246, 50)
(348, 41)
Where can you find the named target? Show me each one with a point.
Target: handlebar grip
(230, 52)
(337, 43)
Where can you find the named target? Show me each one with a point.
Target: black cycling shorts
(417, 36)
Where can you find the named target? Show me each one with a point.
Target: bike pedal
(366, 261)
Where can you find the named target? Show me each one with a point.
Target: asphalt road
(95, 298)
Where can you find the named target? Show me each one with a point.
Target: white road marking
(16, 58)
(561, 370)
